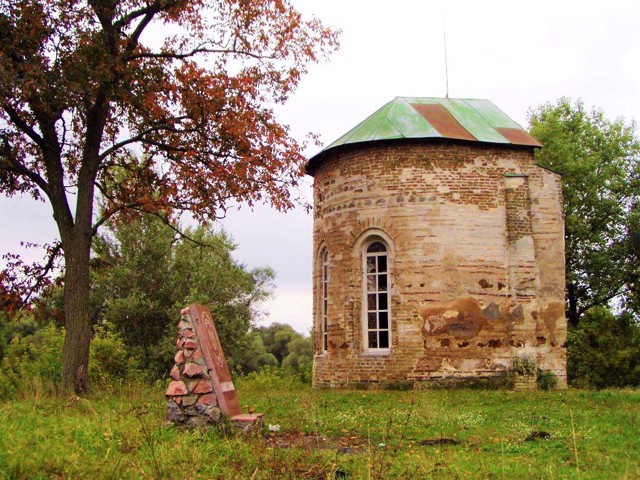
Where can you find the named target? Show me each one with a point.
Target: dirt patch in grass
(344, 444)
(429, 442)
(538, 435)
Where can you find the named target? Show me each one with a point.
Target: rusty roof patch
(518, 136)
(445, 123)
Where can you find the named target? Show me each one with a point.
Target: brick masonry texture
(201, 390)
(190, 397)
(476, 254)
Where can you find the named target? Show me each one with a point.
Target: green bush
(157, 360)
(4, 334)
(300, 353)
(32, 362)
(398, 386)
(23, 325)
(305, 373)
(546, 379)
(252, 357)
(524, 366)
(277, 377)
(142, 276)
(604, 351)
(109, 357)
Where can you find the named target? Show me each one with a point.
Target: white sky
(516, 54)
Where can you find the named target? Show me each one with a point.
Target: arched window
(325, 301)
(377, 315)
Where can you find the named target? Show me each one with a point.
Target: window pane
(382, 283)
(371, 264)
(382, 301)
(382, 263)
(371, 302)
(384, 339)
(324, 290)
(372, 320)
(371, 283)
(373, 340)
(326, 342)
(383, 319)
(376, 247)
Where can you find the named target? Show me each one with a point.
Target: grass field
(120, 432)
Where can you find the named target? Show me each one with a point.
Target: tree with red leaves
(152, 106)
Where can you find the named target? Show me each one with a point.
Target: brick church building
(438, 249)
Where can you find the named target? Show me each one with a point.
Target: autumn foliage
(146, 106)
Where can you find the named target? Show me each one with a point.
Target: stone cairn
(201, 390)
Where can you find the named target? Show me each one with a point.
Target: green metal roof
(422, 118)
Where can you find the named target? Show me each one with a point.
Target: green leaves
(598, 159)
(604, 351)
(290, 348)
(144, 273)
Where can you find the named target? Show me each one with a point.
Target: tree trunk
(75, 361)
(573, 316)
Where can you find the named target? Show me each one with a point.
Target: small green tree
(290, 348)
(300, 353)
(604, 350)
(131, 288)
(203, 271)
(32, 359)
(254, 356)
(144, 273)
(277, 338)
(598, 160)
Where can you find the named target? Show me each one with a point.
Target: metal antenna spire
(446, 63)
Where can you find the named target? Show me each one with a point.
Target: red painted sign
(214, 358)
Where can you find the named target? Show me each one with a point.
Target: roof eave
(315, 161)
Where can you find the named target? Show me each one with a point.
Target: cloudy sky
(516, 54)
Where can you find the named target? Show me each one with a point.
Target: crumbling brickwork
(476, 261)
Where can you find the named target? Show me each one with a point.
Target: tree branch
(183, 235)
(110, 213)
(19, 122)
(53, 254)
(602, 301)
(15, 166)
(137, 138)
(147, 13)
(128, 18)
(196, 51)
(134, 40)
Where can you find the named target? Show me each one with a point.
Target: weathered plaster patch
(492, 311)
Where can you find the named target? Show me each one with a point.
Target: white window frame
(365, 292)
(324, 300)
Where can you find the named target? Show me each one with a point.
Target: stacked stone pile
(191, 400)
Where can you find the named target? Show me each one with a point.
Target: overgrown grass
(120, 432)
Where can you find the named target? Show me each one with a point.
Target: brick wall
(476, 261)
